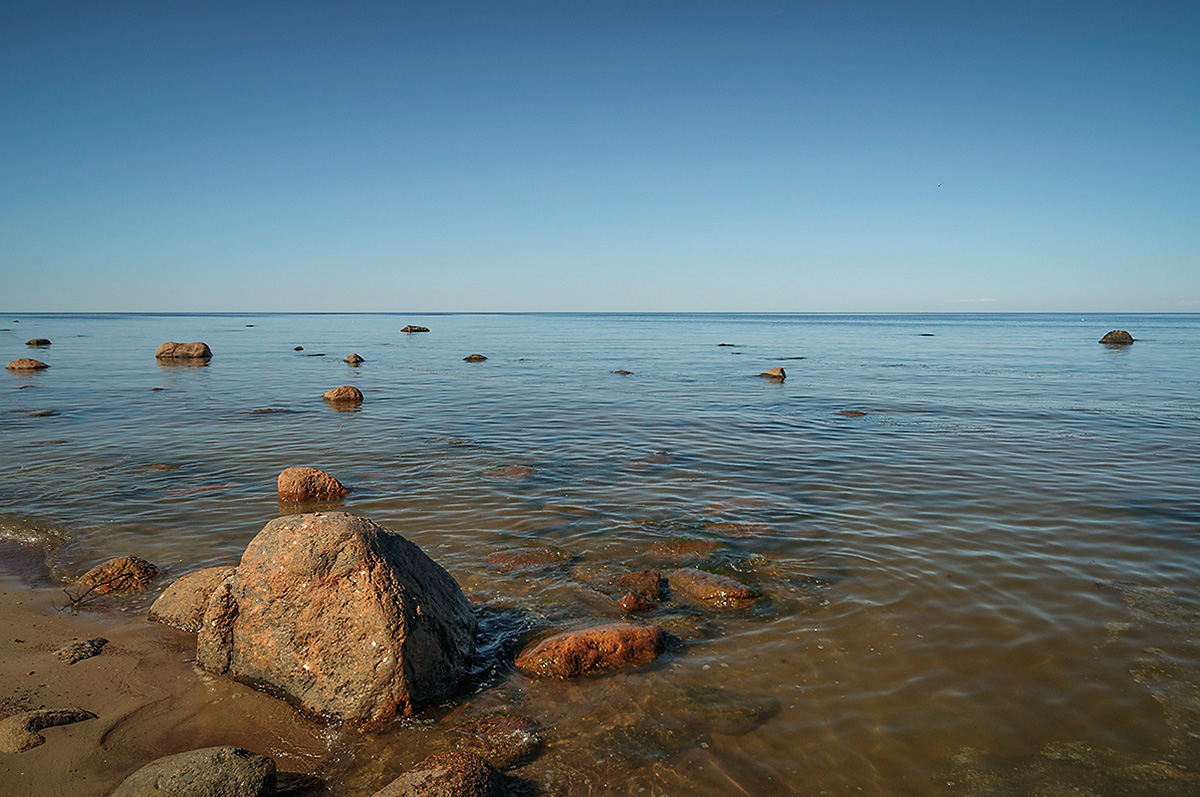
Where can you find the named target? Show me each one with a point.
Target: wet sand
(147, 695)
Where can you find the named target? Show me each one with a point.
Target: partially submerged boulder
(20, 732)
(344, 617)
(414, 328)
(26, 364)
(528, 559)
(343, 394)
(352, 359)
(711, 589)
(504, 740)
(308, 484)
(1118, 337)
(474, 358)
(448, 774)
(592, 651)
(37, 342)
(183, 351)
(774, 374)
(123, 574)
(208, 772)
(183, 603)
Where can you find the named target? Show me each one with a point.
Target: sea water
(977, 536)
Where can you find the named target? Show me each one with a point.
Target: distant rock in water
(1118, 337)
(622, 372)
(352, 359)
(308, 484)
(298, 348)
(344, 617)
(183, 351)
(474, 358)
(37, 342)
(183, 603)
(592, 651)
(26, 364)
(208, 772)
(345, 394)
(414, 328)
(123, 574)
(775, 374)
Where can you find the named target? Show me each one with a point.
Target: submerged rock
(740, 528)
(680, 548)
(414, 328)
(850, 413)
(308, 484)
(508, 473)
(26, 364)
(1118, 337)
(776, 374)
(352, 359)
(592, 651)
(504, 740)
(78, 650)
(344, 394)
(183, 351)
(36, 342)
(123, 574)
(527, 559)
(448, 774)
(623, 372)
(711, 589)
(346, 618)
(632, 602)
(720, 710)
(20, 732)
(474, 358)
(183, 603)
(208, 772)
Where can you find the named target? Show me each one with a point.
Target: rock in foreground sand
(346, 618)
(26, 364)
(449, 774)
(183, 603)
(183, 351)
(308, 484)
(19, 733)
(1118, 337)
(123, 574)
(208, 772)
(591, 651)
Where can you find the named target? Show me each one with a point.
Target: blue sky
(566, 156)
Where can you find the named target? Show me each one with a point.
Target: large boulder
(26, 364)
(448, 774)
(344, 617)
(1118, 337)
(208, 772)
(183, 351)
(592, 651)
(123, 574)
(182, 604)
(308, 484)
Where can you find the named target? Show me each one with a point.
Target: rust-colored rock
(123, 574)
(183, 603)
(352, 359)
(474, 358)
(448, 774)
(183, 351)
(711, 589)
(1118, 337)
(26, 364)
(414, 328)
(37, 342)
(346, 618)
(648, 583)
(527, 559)
(592, 651)
(775, 374)
(344, 394)
(308, 484)
(632, 602)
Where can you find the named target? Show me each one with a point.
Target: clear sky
(560, 156)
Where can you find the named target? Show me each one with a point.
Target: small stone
(352, 359)
(345, 394)
(208, 772)
(448, 774)
(850, 413)
(26, 364)
(711, 589)
(474, 358)
(622, 372)
(183, 603)
(183, 351)
(19, 732)
(592, 651)
(298, 348)
(777, 374)
(308, 484)
(123, 574)
(77, 651)
(1118, 337)
(414, 328)
(37, 342)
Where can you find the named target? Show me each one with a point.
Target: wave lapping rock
(1118, 337)
(346, 618)
(183, 351)
(182, 604)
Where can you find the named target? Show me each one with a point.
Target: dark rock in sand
(308, 484)
(183, 603)
(632, 602)
(503, 740)
(711, 589)
(775, 374)
(592, 651)
(414, 328)
(528, 559)
(352, 359)
(448, 774)
(622, 372)
(345, 394)
(348, 619)
(208, 772)
(19, 732)
(78, 650)
(26, 364)
(183, 351)
(123, 574)
(298, 348)
(35, 342)
(474, 358)
(1118, 337)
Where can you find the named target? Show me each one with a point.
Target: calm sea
(985, 583)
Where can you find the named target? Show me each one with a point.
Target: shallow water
(986, 584)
